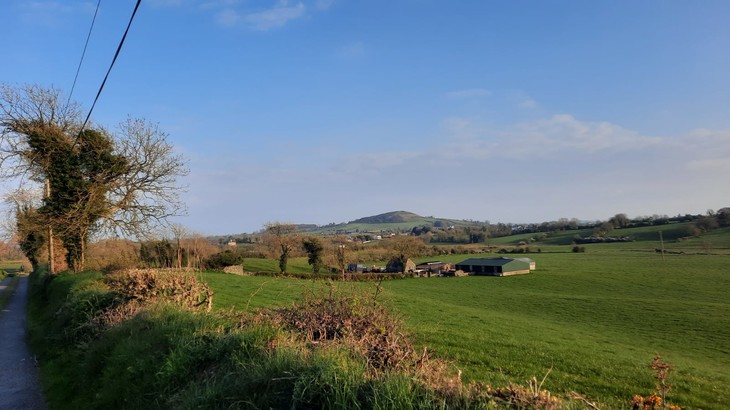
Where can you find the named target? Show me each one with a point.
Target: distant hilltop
(389, 217)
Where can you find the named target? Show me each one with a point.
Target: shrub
(358, 322)
(223, 259)
(150, 286)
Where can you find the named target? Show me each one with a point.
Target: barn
(493, 266)
(528, 260)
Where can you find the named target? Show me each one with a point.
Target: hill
(389, 217)
(396, 221)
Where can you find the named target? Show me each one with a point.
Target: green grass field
(10, 265)
(596, 319)
(647, 237)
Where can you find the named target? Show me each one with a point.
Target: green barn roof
(510, 263)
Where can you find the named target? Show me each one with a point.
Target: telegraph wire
(119, 49)
(83, 53)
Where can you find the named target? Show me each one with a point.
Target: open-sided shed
(493, 266)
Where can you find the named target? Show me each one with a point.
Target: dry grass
(149, 286)
(355, 321)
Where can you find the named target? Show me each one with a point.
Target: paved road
(19, 385)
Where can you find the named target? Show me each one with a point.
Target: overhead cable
(119, 49)
(83, 53)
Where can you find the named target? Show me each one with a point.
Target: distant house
(528, 260)
(493, 266)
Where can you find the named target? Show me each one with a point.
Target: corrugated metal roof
(486, 261)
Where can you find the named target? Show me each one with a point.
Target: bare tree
(143, 198)
(339, 255)
(179, 232)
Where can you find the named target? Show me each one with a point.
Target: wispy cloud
(278, 15)
(521, 99)
(231, 13)
(323, 4)
(52, 13)
(527, 102)
(228, 17)
(559, 134)
(469, 93)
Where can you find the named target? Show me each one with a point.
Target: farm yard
(591, 322)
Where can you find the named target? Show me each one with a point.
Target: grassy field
(647, 237)
(596, 319)
(10, 265)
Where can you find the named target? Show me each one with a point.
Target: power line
(119, 49)
(83, 53)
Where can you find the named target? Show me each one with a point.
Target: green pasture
(294, 265)
(10, 265)
(9, 268)
(674, 237)
(596, 319)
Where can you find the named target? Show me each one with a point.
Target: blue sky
(319, 111)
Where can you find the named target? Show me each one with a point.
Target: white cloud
(52, 13)
(277, 16)
(564, 132)
(167, 3)
(228, 17)
(229, 13)
(323, 4)
(559, 134)
(528, 102)
(469, 93)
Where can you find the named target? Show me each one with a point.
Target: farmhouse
(493, 266)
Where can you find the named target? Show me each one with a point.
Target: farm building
(395, 265)
(433, 267)
(493, 266)
(528, 260)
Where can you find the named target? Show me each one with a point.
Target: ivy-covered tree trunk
(284, 257)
